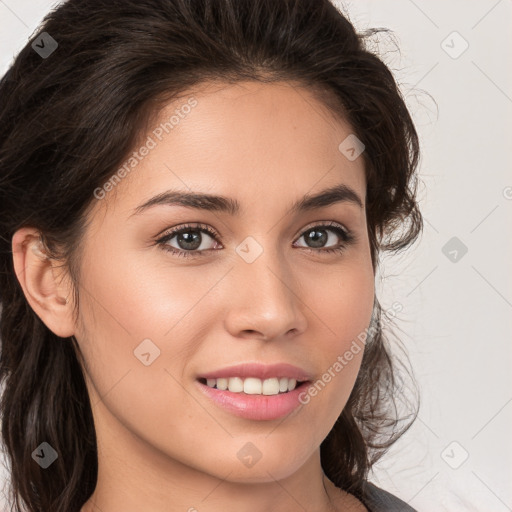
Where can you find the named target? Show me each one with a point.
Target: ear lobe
(37, 275)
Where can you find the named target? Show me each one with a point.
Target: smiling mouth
(253, 385)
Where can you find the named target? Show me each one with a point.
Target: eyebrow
(333, 195)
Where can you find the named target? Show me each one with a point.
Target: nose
(267, 302)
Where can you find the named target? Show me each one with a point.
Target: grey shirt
(376, 499)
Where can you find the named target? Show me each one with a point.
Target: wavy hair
(68, 120)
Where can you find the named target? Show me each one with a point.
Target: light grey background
(456, 317)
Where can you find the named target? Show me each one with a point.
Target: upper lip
(260, 371)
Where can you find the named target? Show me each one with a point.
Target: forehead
(255, 141)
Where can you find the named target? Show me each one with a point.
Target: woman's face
(260, 288)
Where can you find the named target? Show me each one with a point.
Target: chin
(259, 462)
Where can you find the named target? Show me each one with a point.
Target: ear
(47, 287)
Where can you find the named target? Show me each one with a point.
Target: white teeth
(254, 386)
(271, 386)
(235, 384)
(221, 384)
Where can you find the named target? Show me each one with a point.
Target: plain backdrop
(455, 286)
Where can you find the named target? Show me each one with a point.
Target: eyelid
(176, 230)
(325, 224)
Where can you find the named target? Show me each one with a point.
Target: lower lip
(255, 407)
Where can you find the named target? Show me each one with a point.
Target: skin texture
(162, 445)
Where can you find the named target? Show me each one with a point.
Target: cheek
(341, 302)
(134, 314)
(129, 299)
(343, 310)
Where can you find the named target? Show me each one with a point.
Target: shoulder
(379, 500)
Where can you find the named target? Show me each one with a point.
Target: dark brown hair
(67, 121)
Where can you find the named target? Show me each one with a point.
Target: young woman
(194, 197)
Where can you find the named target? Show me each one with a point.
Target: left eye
(318, 237)
(190, 239)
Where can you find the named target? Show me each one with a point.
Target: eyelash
(346, 235)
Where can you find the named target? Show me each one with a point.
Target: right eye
(189, 239)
